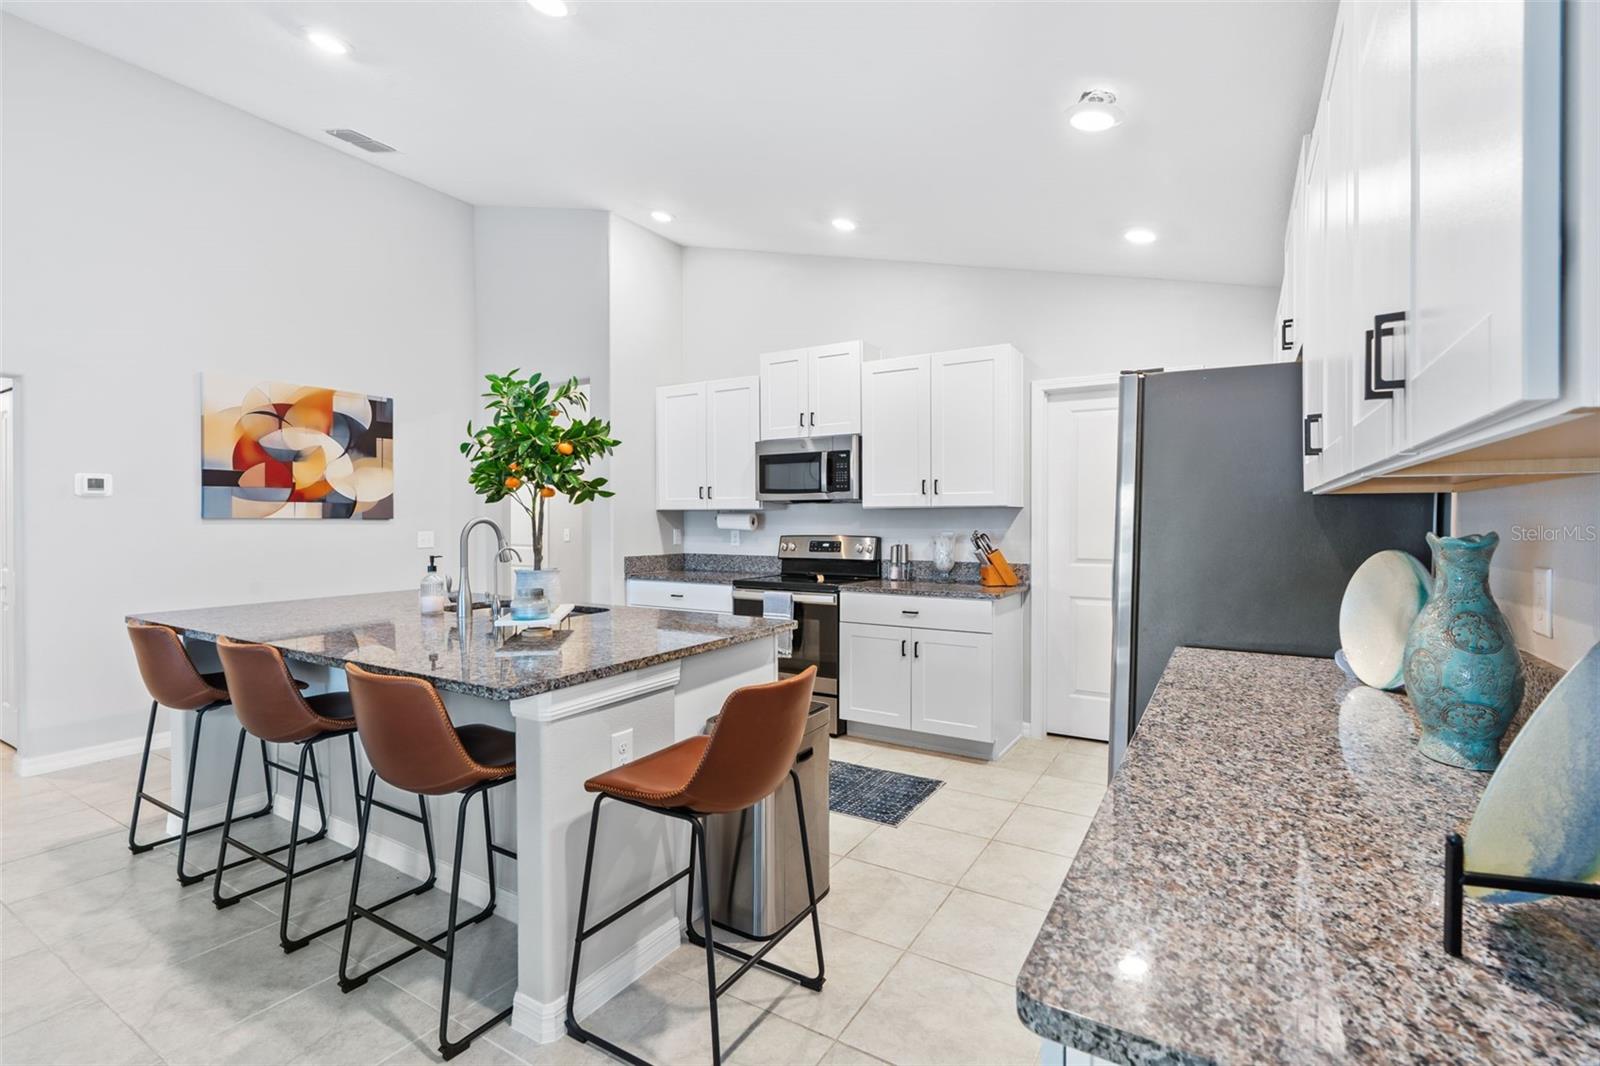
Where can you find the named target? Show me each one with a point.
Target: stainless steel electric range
(813, 568)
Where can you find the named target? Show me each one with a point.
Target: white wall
(739, 304)
(150, 234)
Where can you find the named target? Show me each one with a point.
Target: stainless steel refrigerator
(1218, 545)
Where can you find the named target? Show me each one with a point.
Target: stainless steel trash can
(758, 881)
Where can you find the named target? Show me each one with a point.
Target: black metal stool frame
(287, 869)
(140, 796)
(1457, 878)
(448, 1048)
(697, 847)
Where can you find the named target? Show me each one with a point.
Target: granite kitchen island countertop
(384, 631)
(1263, 882)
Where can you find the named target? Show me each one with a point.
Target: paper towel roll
(745, 522)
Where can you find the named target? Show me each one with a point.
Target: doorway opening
(10, 711)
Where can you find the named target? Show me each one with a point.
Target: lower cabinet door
(875, 675)
(952, 684)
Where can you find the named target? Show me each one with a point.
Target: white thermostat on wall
(92, 484)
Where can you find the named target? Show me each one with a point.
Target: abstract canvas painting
(271, 450)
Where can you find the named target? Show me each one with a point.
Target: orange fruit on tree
(546, 491)
(515, 467)
(565, 448)
(513, 483)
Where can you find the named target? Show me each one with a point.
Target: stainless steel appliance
(812, 569)
(815, 470)
(1218, 545)
(754, 856)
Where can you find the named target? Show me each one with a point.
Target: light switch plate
(1543, 609)
(621, 747)
(677, 536)
(733, 536)
(425, 538)
(91, 484)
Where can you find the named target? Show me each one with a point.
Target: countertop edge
(1097, 1038)
(949, 590)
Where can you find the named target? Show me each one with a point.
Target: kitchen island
(1263, 882)
(630, 675)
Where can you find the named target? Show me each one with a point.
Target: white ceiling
(937, 125)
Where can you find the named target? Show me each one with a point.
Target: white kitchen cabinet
(943, 430)
(1487, 121)
(705, 445)
(681, 447)
(680, 595)
(877, 659)
(895, 409)
(943, 672)
(813, 392)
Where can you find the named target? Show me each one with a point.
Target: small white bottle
(432, 595)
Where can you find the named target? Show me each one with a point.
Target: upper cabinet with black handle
(706, 445)
(1426, 281)
(813, 392)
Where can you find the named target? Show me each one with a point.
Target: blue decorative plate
(1540, 815)
(1383, 598)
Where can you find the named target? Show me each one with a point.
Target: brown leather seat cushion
(657, 779)
(336, 707)
(219, 681)
(489, 746)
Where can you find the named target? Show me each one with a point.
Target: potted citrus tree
(536, 444)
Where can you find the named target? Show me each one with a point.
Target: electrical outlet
(733, 536)
(424, 538)
(621, 748)
(677, 536)
(1543, 609)
(566, 536)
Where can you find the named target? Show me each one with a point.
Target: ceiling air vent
(360, 140)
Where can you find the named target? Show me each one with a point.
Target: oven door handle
(812, 598)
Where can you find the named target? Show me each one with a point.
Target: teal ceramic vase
(1462, 670)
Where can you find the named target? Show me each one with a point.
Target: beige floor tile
(984, 779)
(1065, 794)
(34, 987)
(34, 805)
(680, 1030)
(483, 1052)
(72, 864)
(563, 1052)
(73, 910)
(919, 763)
(860, 752)
(963, 812)
(85, 1033)
(1021, 875)
(1096, 748)
(15, 938)
(927, 1012)
(28, 836)
(854, 967)
(841, 1054)
(1032, 755)
(1079, 766)
(845, 832)
(881, 904)
(1043, 829)
(981, 934)
(923, 850)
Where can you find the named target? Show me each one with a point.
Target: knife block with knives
(993, 569)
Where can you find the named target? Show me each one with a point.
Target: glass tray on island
(549, 621)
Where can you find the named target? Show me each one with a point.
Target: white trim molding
(564, 703)
(546, 1023)
(34, 765)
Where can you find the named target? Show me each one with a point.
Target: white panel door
(1382, 245)
(875, 674)
(834, 390)
(894, 432)
(681, 448)
(969, 404)
(952, 684)
(785, 388)
(733, 407)
(1081, 498)
(1488, 201)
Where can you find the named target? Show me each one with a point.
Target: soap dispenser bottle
(432, 596)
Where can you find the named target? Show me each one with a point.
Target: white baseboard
(546, 1022)
(33, 765)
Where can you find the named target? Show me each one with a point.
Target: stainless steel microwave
(809, 470)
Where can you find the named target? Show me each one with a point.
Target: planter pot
(1462, 669)
(534, 592)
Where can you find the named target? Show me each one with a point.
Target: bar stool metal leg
(140, 797)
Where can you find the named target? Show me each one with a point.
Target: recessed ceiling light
(327, 42)
(844, 225)
(1139, 235)
(1095, 112)
(556, 9)
(661, 216)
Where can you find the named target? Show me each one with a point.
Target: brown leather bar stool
(270, 707)
(413, 746)
(172, 680)
(751, 749)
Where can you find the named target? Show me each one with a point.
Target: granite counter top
(384, 631)
(1263, 882)
(955, 590)
(696, 577)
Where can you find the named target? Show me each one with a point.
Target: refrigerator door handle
(1309, 421)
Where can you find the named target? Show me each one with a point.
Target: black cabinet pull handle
(1309, 419)
(912, 614)
(916, 649)
(813, 418)
(902, 649)
(1381, 328)
(1285, 338)
(924, 486)
(708, 492)
(936, 486)
(676, 595)
(700, 491)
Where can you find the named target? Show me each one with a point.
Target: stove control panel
(834, 546)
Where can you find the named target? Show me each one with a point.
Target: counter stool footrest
(759, 958)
